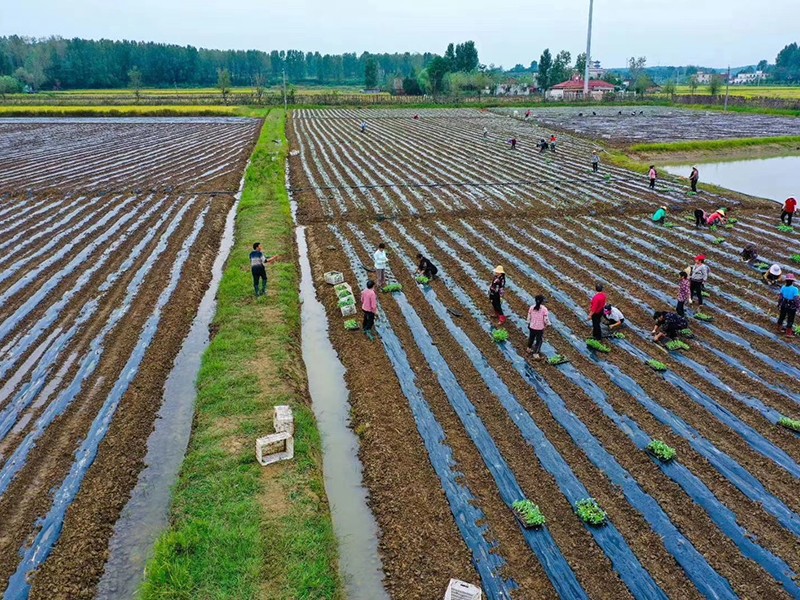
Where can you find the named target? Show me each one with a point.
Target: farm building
(573, 89)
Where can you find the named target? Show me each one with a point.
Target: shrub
(718, 241)
(347, 301)
(661, 451)
(351, 324)
(687, 333)
(590, 512)
(597, 345)
(785, 228)
(677, 345)
(500, 335)
(795, 258)
(529, 513)
(792, 424)
(703, 317)
(557, 359)
(392, 287)
(618, 335)
(657, 366)
(423, 280)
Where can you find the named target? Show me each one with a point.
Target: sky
(712, 33)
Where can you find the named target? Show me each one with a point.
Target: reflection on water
(771, 178)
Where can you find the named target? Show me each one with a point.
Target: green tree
(580, 64)
(545, 65)
(714, 84)
(224, 83)
(669, 88)
(466, 57)
(411, 86)
(437, 69)
(135, 82)
(8, 85)
(371, 74)
(693, 83)
(259, 81)
(562, 68)
(762, 65)
(450, 56)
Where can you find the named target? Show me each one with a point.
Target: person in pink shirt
(683, 293)
(538, 321)
(653, 175)
(369, 304)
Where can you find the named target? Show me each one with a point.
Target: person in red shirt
(788, 211)
(596, 311)
(717, 218)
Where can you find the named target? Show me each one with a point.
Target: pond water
(771, 178)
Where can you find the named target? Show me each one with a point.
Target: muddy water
(147, 513)
(771, 178)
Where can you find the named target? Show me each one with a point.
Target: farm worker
(381, 262)
(700, 217)
(668, 324)
(496, 291)
(660, 216)
(693, 178)
(697, 279)
(369, 304)
(485, 133)
(258, 268)
(749, 253)
(553, 141)
(513, 143)
(653, 175)
(426, 267)
(542, 145)
(683, 292)
(613, 320)
(538, 321)
(788, 304)
(363, 127)
(527, 114)
(595, 161)
(596, 309)
(717, 217)
(773, 275)
(416, 117)
(788, 211)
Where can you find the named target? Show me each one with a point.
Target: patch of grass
(677, 345)
(792, 424)
(529, 513)
(500, 335)
(239, 530)
(423, 280)
(597, 345)
(393, 287)
(557, 359)
(661, 451)
(590, 512)
(351, 324)
(656, 365)
(785, 228)
(700, 316)
(699, 145)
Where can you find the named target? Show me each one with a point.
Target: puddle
(771, 178)
(147, 513)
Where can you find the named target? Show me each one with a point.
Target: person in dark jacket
(668, 325)
(426, 267)
(749, 253)
(694, 178)
(258, 268)
(496, 291)
(788, 302)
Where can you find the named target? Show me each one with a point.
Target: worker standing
(553, 141)
(693, 178)
(698, 278)
(538, 321)
(788, 304)
(496, 291)
(363, 127)
(788, 211)
(369, 304)
(595, 161)
(258, 268)
(596, 309)
(684, 293)
(485, 133)
(381, 263)
(513, 143)
(653, 176)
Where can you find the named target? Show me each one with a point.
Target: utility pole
(727, 87)
(284, 89)
(588, 53)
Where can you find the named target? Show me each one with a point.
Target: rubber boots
(502, 319)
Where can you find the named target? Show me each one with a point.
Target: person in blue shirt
(258, 267)
(788, 304)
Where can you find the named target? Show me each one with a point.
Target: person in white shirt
(613, 320)
(381, 262)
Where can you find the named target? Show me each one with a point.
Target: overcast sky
(705, 32)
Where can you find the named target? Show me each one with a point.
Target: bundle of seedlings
(661, 451)
(677, 345)
(557, 359)
(347, 301)
(597, 345)
(703, 317)
(590, 512)
(792, 424)
(656, 365)
(785, 228)
(351, 324)
(392, 287)
(500, 335)
(687, 333)
(528, 513)
(422, 279)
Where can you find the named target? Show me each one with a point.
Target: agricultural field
(645, 124)
(108, 230)
(750, 91)
(457, 428)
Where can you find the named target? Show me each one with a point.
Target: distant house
(513, 87)
(573, 89)
(749, 78)
(595, 70)
(704, 78)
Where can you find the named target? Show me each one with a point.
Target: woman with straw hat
(773, 275)
(496, 291)
(718, 217)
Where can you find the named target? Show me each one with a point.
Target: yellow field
(749, 91)
(110, 111)
(206, 90)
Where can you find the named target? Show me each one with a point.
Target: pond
(771, 178)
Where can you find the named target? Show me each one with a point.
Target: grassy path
(239, 530)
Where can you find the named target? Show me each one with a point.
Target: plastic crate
(349, 310)
(274, 448)
(334, 277)
(461, 590)
(283, 419)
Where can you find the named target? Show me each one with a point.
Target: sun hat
(775, 270)
(790, 277)
(499, 269)
(722, 210)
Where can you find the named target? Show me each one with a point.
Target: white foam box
(461, 590)
(342, 286)
(334, 277)
(274, 448)
(349, 310)
(283, 419)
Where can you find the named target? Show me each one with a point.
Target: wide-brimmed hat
(722, 210)
(499, 269)
(790, 277)
(775, 270)
(664, 208)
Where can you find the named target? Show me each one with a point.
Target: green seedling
(661, 451)
(795, 258)
(677, 345)
(618, 335)
(392, 287)
(796, 329)
(687, 333)
(705, 294)
(785, 228)
(729, 226)
(656, 365)
(669, 225)
(423, 280)
(762, 266)
(597, 345)
(348, 301)
(733, 221)
(351, 324)
(557, 359)
(528, 513)
(590, 512)
(344, 293)
(792, 424)
(718, 241)
(691, 193)
(703, 317)
(713, 228)
(500, 335)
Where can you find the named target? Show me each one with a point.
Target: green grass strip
(713, 144)
(239, 530)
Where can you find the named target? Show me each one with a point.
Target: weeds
(351, 324)
(656, 365)
(423, 280)
(392, 287)
(557, 359)
(590, 512)
(661, 451)
(597, 345)
(703, 317)
(500, 335)
(677, 345)
(529, 513)
(792, 424)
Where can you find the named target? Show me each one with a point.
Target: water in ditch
(771, 178)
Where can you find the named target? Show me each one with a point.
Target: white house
(573, 90)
